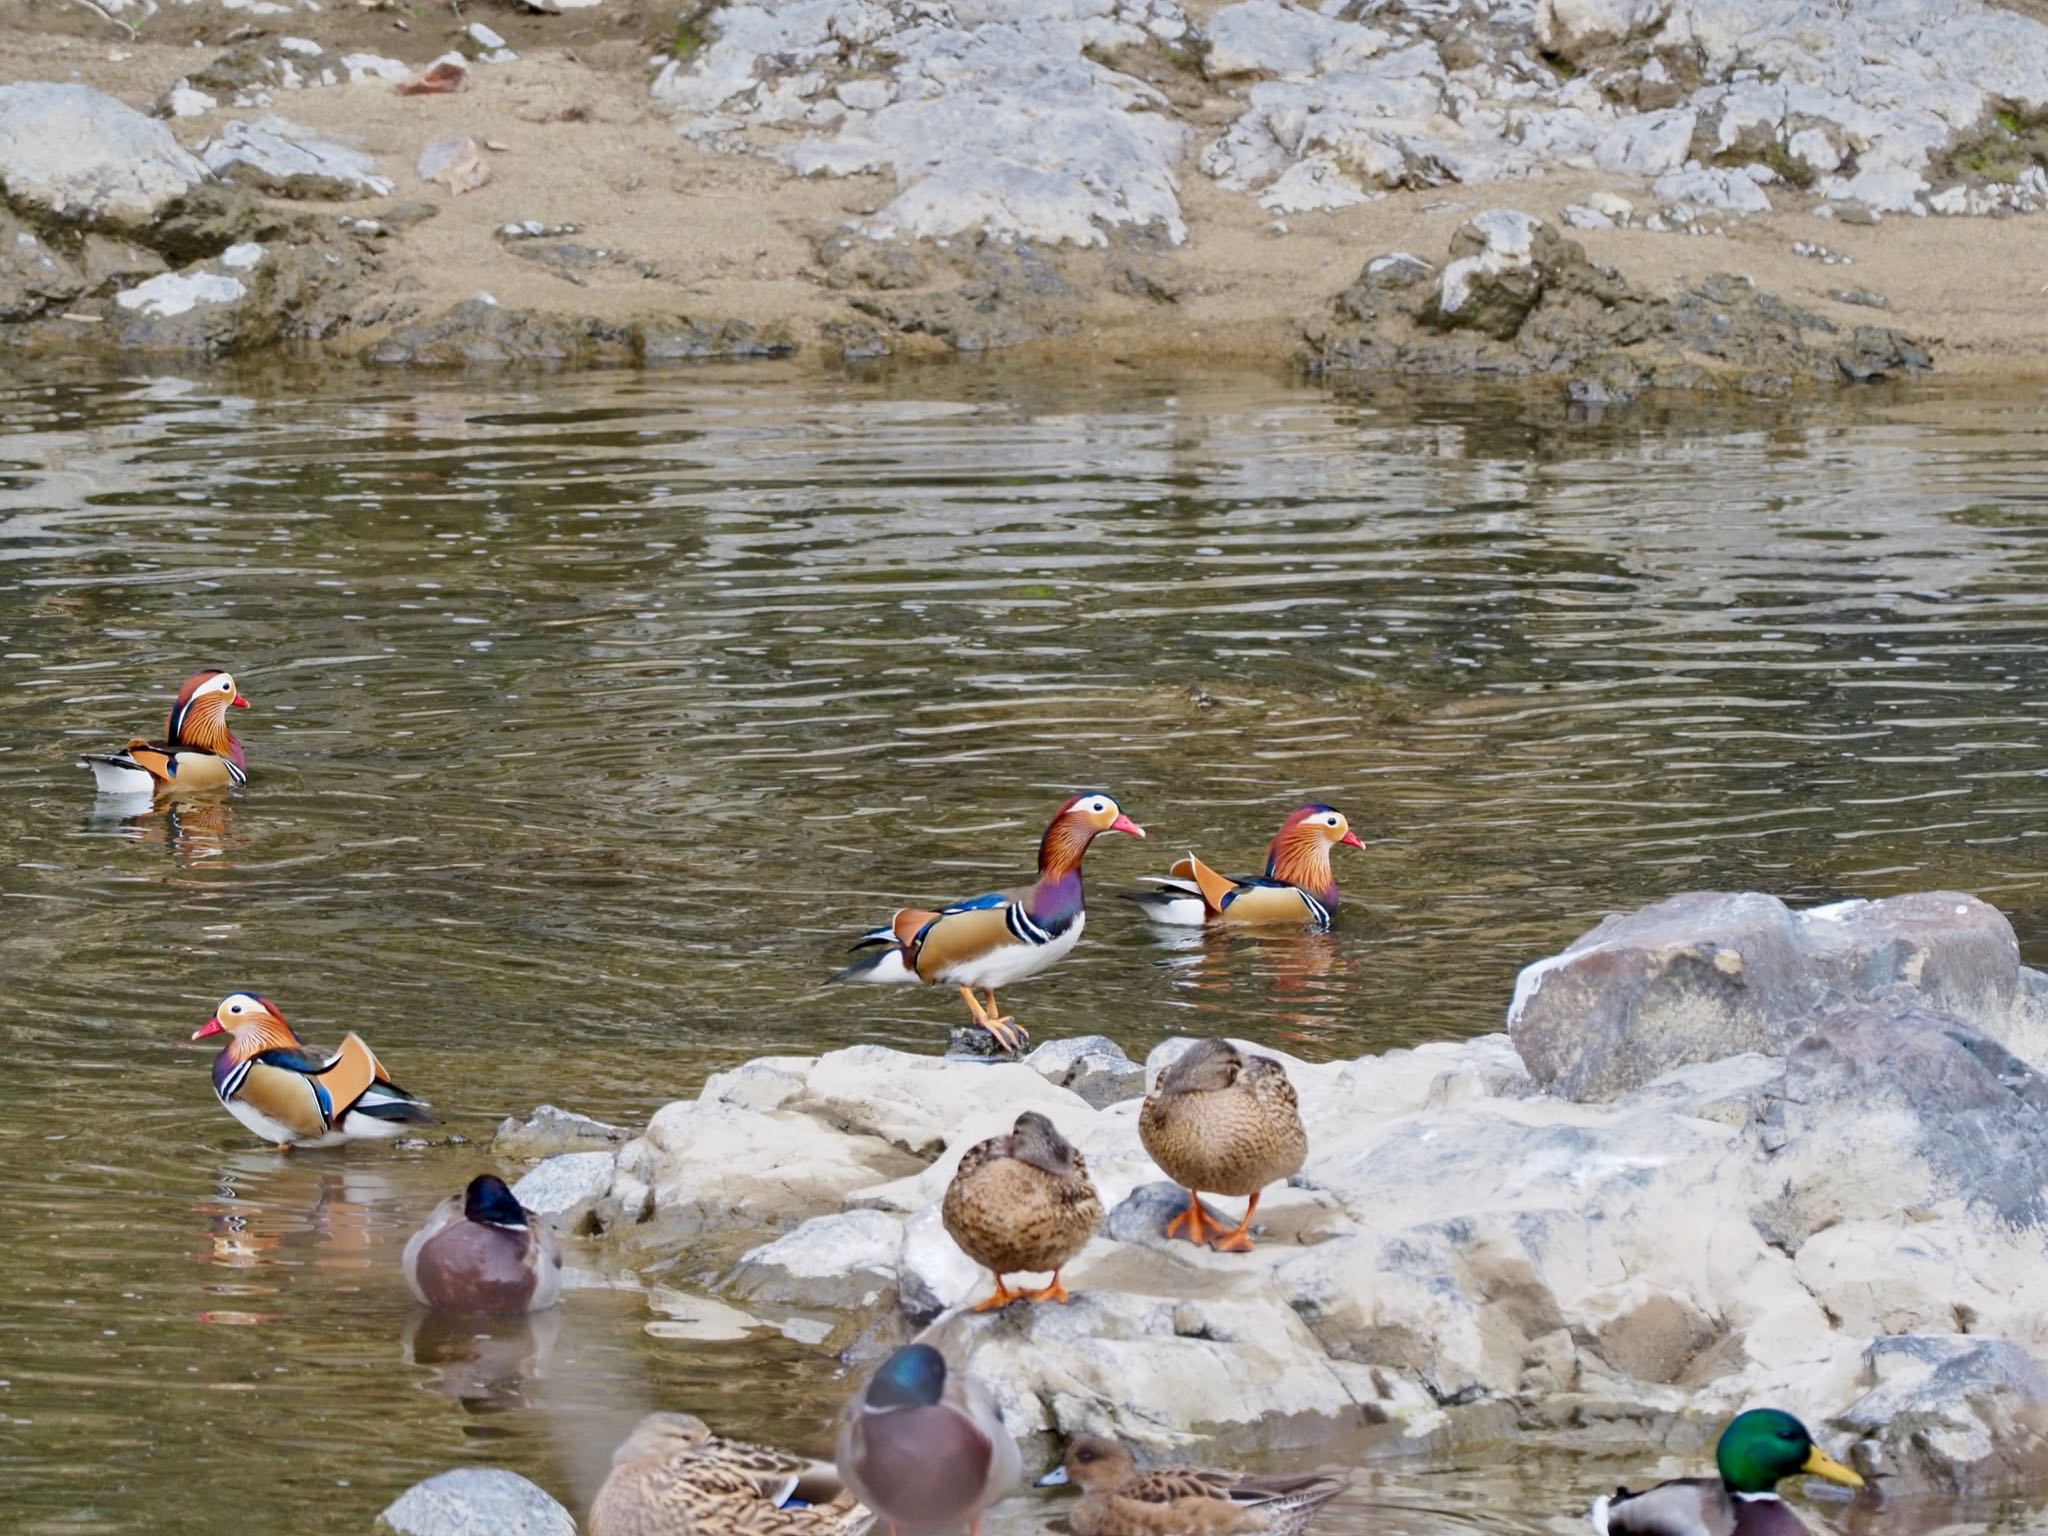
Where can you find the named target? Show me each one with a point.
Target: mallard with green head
(1757, 1451)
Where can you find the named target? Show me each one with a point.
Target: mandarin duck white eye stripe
(198, 751)
(1298, 889)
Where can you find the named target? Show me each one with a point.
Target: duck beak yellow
(1820, 1464)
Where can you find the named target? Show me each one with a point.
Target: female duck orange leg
(1239, 1239)
(1053, 1292)
(1191, 1223)
(1002, 1298)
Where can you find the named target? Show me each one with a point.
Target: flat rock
(282, 158)
(1092, 1066)
(476, 1501)
(550, 1129)
(564, 1190)
(75, 154)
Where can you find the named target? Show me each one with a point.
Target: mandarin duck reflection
(1756, 1452)
(267, 1079)
(1297, 888)
(924, 1446)
(482, 1254)
(1003, 937)
(198, 750)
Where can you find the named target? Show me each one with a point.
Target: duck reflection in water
(196, 829)
(1300, 980)
(485, 1363)
(299, 1212)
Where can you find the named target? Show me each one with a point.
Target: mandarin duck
(198, 750)
(1004, 936)
(672, 1474)
(1222, 1120)
(1756, 1452)
(267, 1079)
(1022, 1202)
(1298, 886)
(481, 1254)
(1119, 1500)
(925, 1447)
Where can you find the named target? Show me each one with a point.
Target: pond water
(593, 715)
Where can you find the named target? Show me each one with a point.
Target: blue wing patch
(978, 904)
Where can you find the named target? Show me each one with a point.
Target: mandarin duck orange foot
(482, 1255)
(1022, 1203)
(288, 1095)
(1297, 888)
(198, 750)
(1225, 1121)
(1003, 937)
(924, 1446)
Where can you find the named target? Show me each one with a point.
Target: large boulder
(476, 1501)
(73, 153)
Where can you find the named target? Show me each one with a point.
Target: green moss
(693, 29)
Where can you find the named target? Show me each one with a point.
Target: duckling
(673, 1477)
(1119, 1500)
(1022, 1202)
(1226, 1122)
(1756, 1452)
(480, 1253)
(924, 1447)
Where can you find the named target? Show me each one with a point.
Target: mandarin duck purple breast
(291, 1096)
(1298, 887)
(1003, 937)
(198, 750)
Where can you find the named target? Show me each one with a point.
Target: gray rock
(476, 1501)
(549, 1130)
(1093, 1066)
(565, 1190)
(1966, 1415)
(285, 159)
(847, 1262)
(70, 152)
(33, 276)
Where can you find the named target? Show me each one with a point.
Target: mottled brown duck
(1022, 1203)
(1221, 1121)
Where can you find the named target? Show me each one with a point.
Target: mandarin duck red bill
(198, 751)
(292, 1096)
(1298, 888)
(482, 1254)
(1002, 937)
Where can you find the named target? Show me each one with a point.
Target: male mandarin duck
(267, 1079)
(198, 750)
(1022, 1202)
(1298, 885)
(1004, 936)
(925, 1447)
(1224, 1121)
(481, 1254)
(673, 1474)
(1119, 1500)
(1757, 1450)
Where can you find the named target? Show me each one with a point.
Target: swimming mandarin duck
(481, 1254)
(267, 1079)
(672, 1474)
(925, 1448)
(1119, 1500)
(198, 750)
(1022, 1202)
(1756, 1452)
(1224, 1121)
(1004, 936)
(1298, 886)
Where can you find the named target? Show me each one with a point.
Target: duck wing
(1691, 1506)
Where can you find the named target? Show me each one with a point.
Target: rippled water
(594, 714)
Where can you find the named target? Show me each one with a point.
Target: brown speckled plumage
(1119, 1500)
(1222, 1122)
(1022, 1202)
(673, 1477)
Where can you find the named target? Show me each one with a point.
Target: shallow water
(594, 714)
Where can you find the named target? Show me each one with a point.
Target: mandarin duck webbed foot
(198, 751)
(1022, 1203)
(1298, 889)
(292, 1096)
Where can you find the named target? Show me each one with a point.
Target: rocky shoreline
(1760, 196)
(1725, 1154)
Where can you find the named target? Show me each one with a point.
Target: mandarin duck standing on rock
(925, 1448)
(267, 1079)
(1227, 1122)
(673, 1475)
(481, 1254)
(1757, 1451)
(198, 750)
(1119, 1500)
(1298, 886)
(1022, 1202)
(1003, 937)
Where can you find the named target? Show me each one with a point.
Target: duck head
(913, 1377)
(1037, 1141)
(663, 1437)
(1092, 1461)
(1075, 825)
(251, 1023)
(1760, 1448)
(199, 715)
(490, 1201)
(1300, 850)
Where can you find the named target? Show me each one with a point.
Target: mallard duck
(1222, 1121)
(198, 750)
(267, 1079)
(924, 1447)
(1757, 1451)
(1022, 1202)
(673, 1476)
(1297, 888)
(1119, 1500)
(480, 1253)
(1004, 936)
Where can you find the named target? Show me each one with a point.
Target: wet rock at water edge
(34, 276)
(72, 153)
(475, 1501)
(566, 1189)
(550, 1129)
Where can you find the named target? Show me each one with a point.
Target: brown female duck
(1022, 1202)
(1226, 1122)
(1119, 1500)
(674, 1477)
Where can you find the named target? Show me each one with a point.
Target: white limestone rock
(71, 152)
(290, 161)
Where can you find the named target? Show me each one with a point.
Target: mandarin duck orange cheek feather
(198, 751)
(268, 1079)
(1002, 937)
(1298, 888)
